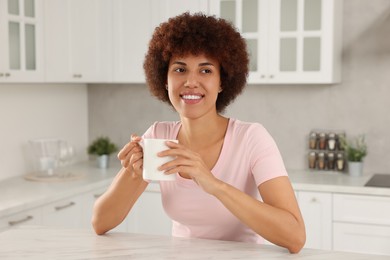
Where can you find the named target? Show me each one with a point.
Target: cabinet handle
(16, 222)
(97, 195)
(1, 74)
(57, 208)
(271, 76)
(7, 75)
(314, 200)
(77, 76)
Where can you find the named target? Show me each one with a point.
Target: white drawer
(362, 238)
(28, 217)
(64, 213)
(361, 209)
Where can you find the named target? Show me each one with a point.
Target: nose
(191, 81)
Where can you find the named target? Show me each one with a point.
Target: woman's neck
(202, 132)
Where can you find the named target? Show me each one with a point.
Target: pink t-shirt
(249, 157)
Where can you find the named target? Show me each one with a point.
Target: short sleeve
(162, 130)
(150, 132)
(266, 160)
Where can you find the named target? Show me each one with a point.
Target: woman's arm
(112, 207)
(277, 218)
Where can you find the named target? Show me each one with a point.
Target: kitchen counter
(53, 243)
(18, 194)
(334, 182)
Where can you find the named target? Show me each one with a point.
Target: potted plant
(102, 147)
(356, 150)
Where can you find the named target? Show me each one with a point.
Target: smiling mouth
(191, 97)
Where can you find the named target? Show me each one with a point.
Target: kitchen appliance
(379, 180)
(49, 155)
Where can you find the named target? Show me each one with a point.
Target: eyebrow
(200, 64)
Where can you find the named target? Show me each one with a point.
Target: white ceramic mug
(151, 148)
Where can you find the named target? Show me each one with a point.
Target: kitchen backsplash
(31, 111)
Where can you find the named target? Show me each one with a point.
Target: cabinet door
(361, 209)
(316, 208)
(64, 213)
(78, 40)
(170, 8)
(362, 238)
(133, 26)
(28, 217)
(305, 41)
(132, 30)
(289, 41)
(250, 17)
(148, 215)
(21, 41)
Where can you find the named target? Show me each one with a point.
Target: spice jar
(321, 161)
(322, 141)
(331, 160)
(312, 160)
(340, 162)
(331, 142)
(313, 140)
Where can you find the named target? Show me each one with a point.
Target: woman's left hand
(188, 164)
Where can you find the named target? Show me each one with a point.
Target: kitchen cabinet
(132, 29)
(170, 8)
(64, 213)
(133, 26)
(316, 209)
(78, 40)
(28, 217)
(21, 41)
(148, 215)
(361, 223)
(373, 239)
(289, 41)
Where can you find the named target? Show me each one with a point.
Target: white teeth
(192, 97)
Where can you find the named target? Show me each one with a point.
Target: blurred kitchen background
(359, 104)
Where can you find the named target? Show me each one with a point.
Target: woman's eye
(179, 70)
(206, 71)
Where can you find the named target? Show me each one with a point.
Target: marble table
(33, 242)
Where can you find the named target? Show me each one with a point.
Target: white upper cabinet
(132, 29)
(78, 40)
(133, 26)
(170, 8)
(21, 41)
(289, 41)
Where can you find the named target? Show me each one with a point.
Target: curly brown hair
(198, 34)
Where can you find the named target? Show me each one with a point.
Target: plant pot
(355, 169)
(102, 161)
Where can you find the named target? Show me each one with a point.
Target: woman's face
(193, 85)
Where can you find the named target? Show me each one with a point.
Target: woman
(231, 182)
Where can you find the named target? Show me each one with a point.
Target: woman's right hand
(131, 156)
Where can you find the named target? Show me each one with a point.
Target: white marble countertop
(334, 182)
(53, 243)
(18, 194)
